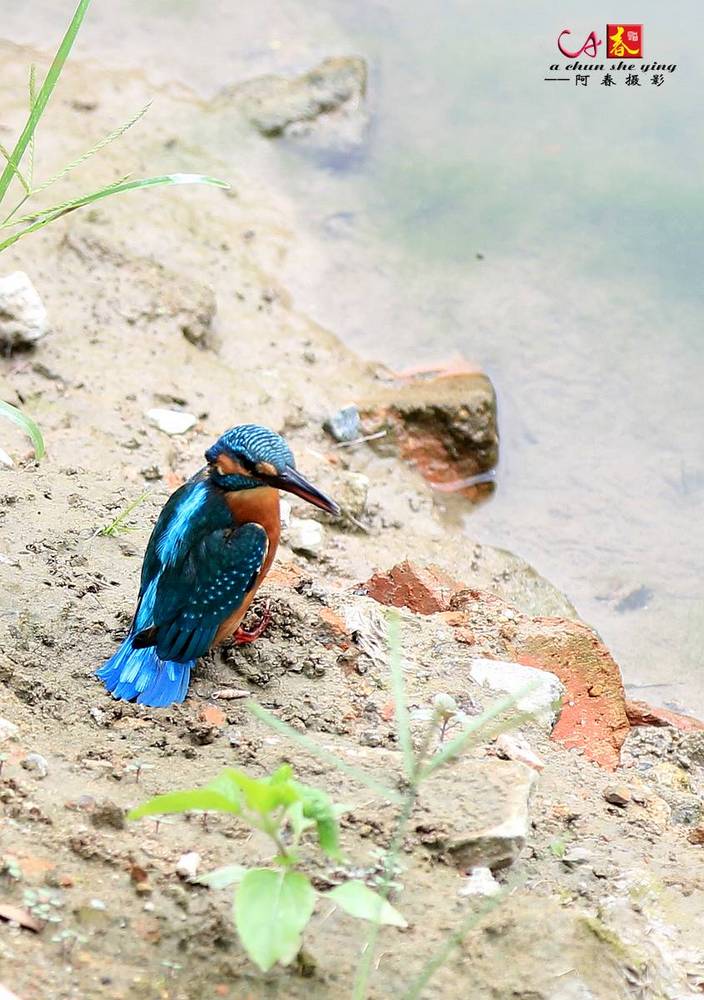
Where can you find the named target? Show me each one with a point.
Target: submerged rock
(23, 318)
(273, 104)
(444, 425)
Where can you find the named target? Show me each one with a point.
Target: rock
(488, 823)
(593, 716)
(195, 316)
(187, 865)
(107, 813)
(692, 746)
(8, 730)
(213, 715)
(23, 319)
(36, 763)
(445, 426)
(230, 694)
(574, 856)
(344, 425)
(617, 795)
(641, 714)
(480, 882)
(171, 421)
(5, 460)
(351, 490)
(306, 537)
(696, 836)
(516, 747)
(424, 589)
(513, 677)
(274, 104)
(669, 775)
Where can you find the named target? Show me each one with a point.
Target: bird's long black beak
(292, 481)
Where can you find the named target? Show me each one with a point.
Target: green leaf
(272, 909)
(208, 799)
(298, 822)
(43, 96)
(27, 425)
(301, 739)
(221, 878)
(50, 214)
(318, 807)
(264, 795)
(357, 899)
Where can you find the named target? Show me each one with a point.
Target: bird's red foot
(244, 635)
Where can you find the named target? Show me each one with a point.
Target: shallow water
(548, 232)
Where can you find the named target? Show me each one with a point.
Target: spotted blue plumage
(197, 570)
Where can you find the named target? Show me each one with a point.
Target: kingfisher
(212, 545)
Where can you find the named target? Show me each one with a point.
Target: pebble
(187, 865)
(36, 763)
(285, 513)
(229, 694)
(617, 795)
(576, 856)
(515, 747)
(480, 883)
(306, 537)
(5, 460)
(351, 490)
(171, 421)
(8, 730)
(344, 425)
(23, 318)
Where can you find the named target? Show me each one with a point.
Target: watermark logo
(589, 48)
(624, 41)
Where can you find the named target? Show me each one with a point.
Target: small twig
(361, 440)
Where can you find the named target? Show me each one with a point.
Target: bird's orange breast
(259, 505)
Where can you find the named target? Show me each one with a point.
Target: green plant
(13, 170)
(119, 526)
(26, 423)
(274, 904)
(277, 902)
(420, 762)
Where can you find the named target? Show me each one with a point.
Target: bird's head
(248, 456)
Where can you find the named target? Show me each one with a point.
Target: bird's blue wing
(205, 587)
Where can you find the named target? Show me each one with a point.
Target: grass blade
(18, 173)
(325, 755)
(27, 425)
(105, 141)
(43, 97)
(32, 99)
(475, 727)
(49, 215)
(399, 690)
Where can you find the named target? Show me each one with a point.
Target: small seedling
(274, 904)
(119, 525)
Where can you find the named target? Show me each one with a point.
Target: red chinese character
(624, 40)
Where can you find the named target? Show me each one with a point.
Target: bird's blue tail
(139, 674)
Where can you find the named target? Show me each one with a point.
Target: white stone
(187, 864)
(284, 512)
(23, 318)
(515, 747)
(5, 460)
(8, 730)
(307, 537)
(502, 675)
(480, 883)
(171, 421)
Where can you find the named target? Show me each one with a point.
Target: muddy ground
(172, 299)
